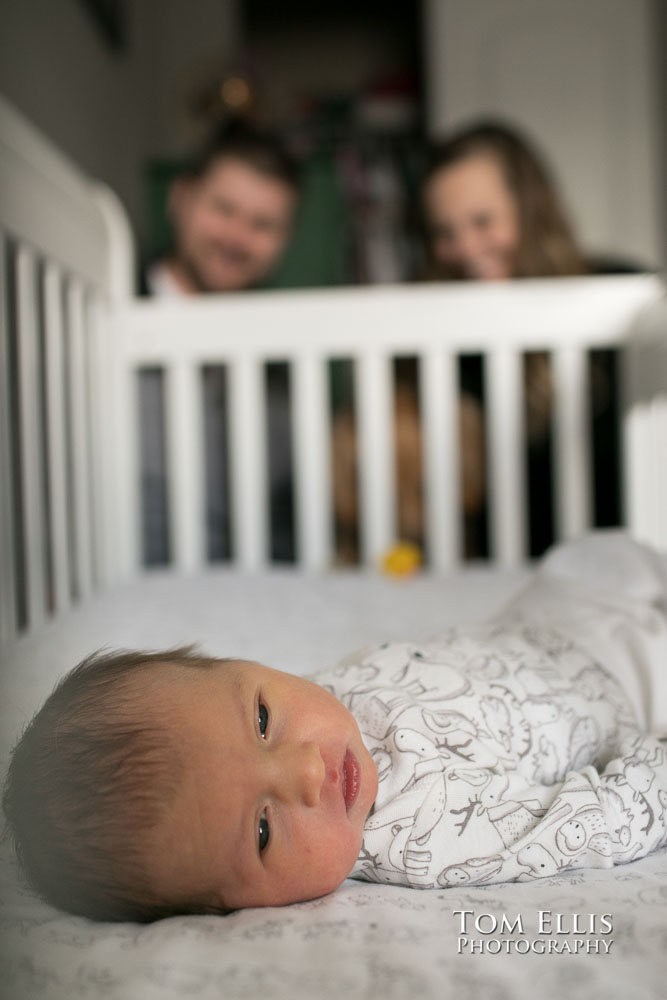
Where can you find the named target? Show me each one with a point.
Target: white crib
(74, 339)
(72, 342)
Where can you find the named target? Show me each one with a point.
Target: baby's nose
(300, 773)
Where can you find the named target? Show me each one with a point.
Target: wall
(110, 111)
(582, 79)
(659, 77)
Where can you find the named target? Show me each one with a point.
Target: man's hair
(90, 777)
(262, 151)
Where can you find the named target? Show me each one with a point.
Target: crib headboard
(74, 342)
(435, 325)
(58, 275)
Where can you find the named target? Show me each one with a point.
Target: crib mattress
(363, 940)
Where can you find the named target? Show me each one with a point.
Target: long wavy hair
(546, 242)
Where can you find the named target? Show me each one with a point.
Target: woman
(492, 212)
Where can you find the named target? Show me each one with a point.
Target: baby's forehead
(158, 684)
(187, 669)
(175, 686)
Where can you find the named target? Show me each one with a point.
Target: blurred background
(128, 88)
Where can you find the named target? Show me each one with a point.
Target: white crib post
(375, 421)
(647, 472)
(658, 456)
(185, 466)
(54, 362)
(573, 451)
(80, 443)
(8, 616)
(442, 478)
(247, 425)
(636, 495)
(645, 429)
(32, 471)
(124, 480)
(101, 344)
(636, 442)
(312, 461)
(505, 461)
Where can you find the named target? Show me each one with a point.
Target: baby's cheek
(341, 855)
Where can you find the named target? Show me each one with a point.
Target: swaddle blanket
(509, 751)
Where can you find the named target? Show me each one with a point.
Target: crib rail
(567, 318)
(57, 273)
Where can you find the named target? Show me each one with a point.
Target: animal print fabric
(505, 752)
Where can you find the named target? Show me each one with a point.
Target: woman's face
(473, 220)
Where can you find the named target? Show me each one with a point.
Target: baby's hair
(88, 779)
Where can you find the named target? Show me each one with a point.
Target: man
(231, 217)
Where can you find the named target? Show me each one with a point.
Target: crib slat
(438, 394)
(31, 445)
(659, 486)
(125, 486)
(100, 439)
(573, 451)
(654, 441)
(636, 480)
(638, 462)
(249, 498)
(310, 432)
(375, 420)
(185, 465)
(56, 435)
(507, 479)
(8, 616)
(645, 435)
(80, 443)
(92, 436)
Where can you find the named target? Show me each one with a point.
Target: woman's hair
(546, 243)
(89, 780)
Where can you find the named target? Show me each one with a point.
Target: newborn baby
(153, 784)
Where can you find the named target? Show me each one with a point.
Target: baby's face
(277, 787)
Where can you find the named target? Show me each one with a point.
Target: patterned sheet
(363, 940)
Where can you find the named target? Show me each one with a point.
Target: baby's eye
(262, 719)
(263, 831)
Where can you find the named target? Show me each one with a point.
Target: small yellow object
(402, 559)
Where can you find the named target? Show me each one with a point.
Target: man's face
(231, 225)
(277, 787)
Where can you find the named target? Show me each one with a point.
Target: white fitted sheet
(363, 940)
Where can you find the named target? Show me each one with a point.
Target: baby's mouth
(351, 779)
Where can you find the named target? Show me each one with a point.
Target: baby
(153, 784)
